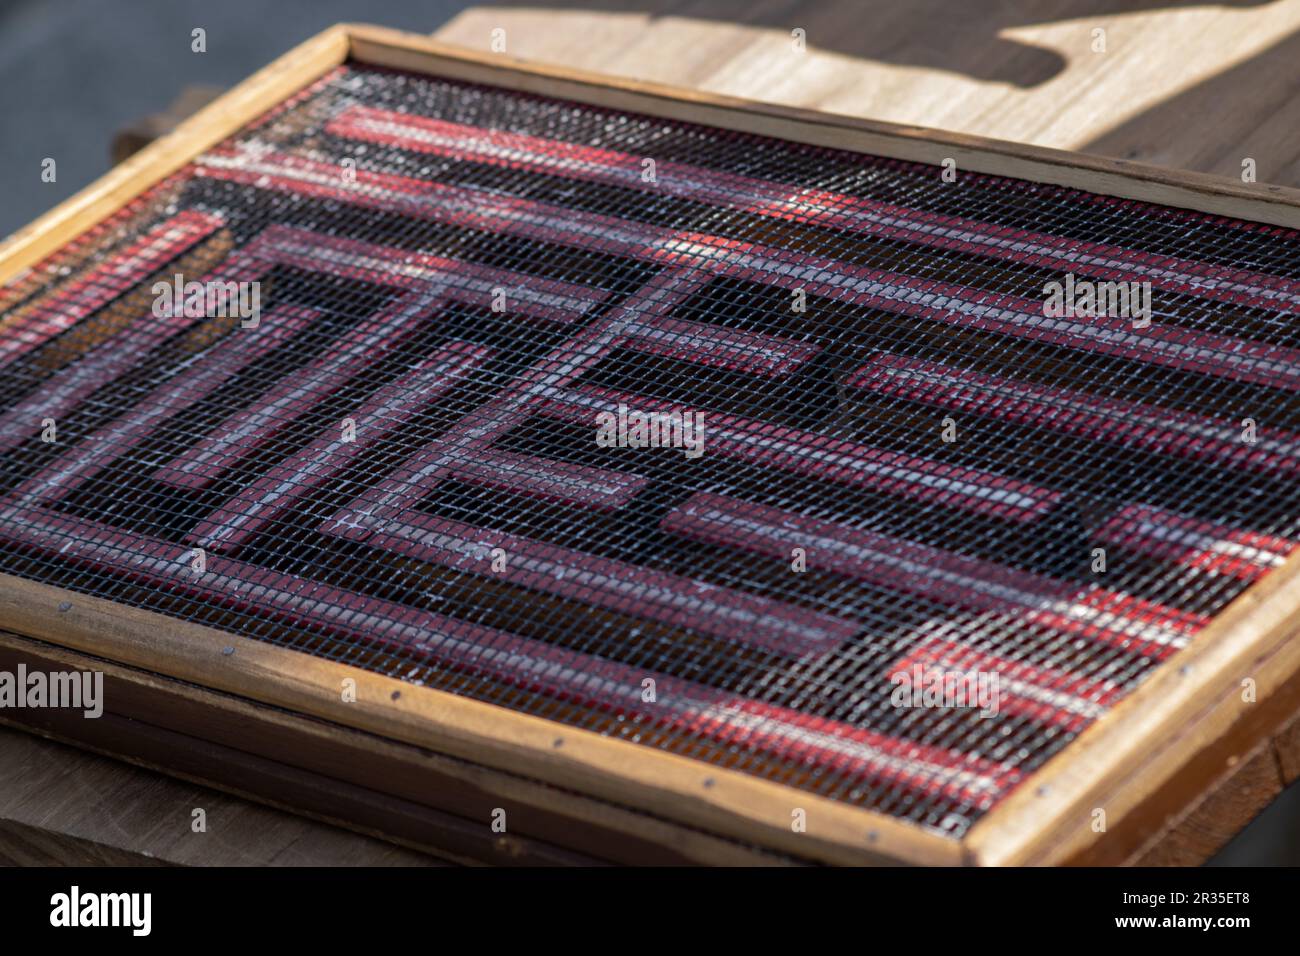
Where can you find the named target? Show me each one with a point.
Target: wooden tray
(1180, 764)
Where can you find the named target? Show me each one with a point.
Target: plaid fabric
(932, 530)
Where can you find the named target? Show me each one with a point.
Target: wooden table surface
(1178, 84)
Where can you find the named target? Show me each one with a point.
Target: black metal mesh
(466, 278)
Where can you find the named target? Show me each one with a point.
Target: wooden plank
(63, 806)
(22, 845)
(1287, 745)
(278, 786)
(1023, 72)
(1217, 815)
(354, 778)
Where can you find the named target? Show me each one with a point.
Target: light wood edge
(509, 790)
(715, 799)
(1259, 202)
(216, 121)
(1189, 701)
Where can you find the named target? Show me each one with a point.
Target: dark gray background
(74, 72)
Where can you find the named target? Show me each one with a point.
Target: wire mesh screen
(840, 471)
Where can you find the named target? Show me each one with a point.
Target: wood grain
(1182, 85)
(60, 805)
(1215, 816)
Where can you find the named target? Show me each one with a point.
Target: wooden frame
(1148, 764)
(410, 795)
